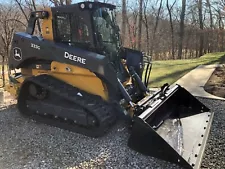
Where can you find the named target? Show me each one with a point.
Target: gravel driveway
(26, 144)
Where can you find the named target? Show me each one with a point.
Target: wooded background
(174, 29)
(163, 29)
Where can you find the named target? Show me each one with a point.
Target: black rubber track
(92, 105)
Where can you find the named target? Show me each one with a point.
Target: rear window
(71, 29)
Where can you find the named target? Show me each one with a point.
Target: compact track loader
(77, 76)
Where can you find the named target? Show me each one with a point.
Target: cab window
(72, 29)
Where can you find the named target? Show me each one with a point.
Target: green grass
(170, 71)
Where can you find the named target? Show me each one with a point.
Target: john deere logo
(17, 54)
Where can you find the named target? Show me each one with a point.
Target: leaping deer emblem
(17, 54)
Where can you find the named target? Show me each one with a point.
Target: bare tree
(201, 26)
(132, 20)
(140, 23)
(19, 2)
(9, 21)
(180, 30)
(156, 26)
(220, 34)
(145, 21)
(181, 33)
(208, 3)
(124, 18)
(170, 8)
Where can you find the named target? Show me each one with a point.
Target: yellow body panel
(47, 31)
(77, 77)
(21, 79)
(12, 89)
(73, 75)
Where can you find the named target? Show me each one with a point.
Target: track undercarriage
(51, 101)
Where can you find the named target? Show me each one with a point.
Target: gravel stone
(25, 143)
(214, 156)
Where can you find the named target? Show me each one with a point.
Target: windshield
(106, 29)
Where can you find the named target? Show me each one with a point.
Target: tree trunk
(147, 38)
(68, 2)
(181, 33)
(129, 33)
(201, 26)
(210, 36)
(155, 27)
(140, 23)
(210, 13)
(171, 26)
(221, 29)
(146, 27)
(3, 71)
(61, 2)
(123, 26)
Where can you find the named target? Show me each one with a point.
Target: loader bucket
(174, 128)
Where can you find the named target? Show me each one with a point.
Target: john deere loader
(76, 75)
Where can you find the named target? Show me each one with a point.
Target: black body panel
(32, 48)
(133, 59)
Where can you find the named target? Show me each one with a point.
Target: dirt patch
(216, 83)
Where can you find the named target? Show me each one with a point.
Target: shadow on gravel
(27, 144)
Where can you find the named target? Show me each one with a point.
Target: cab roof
(84, 5)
